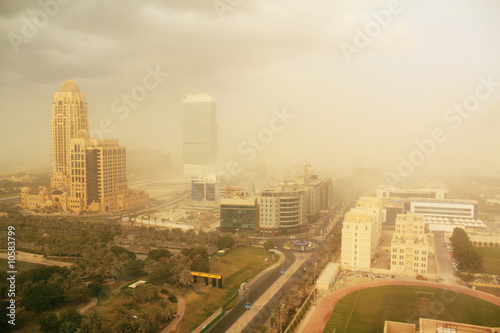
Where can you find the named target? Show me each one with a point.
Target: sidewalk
(242, 322)
(181, 308)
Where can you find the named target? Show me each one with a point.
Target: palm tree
(129, 294)
(164, 312)
(91, 324)
(262, 329)
(185, 278)
(146, 321)
(123, 326)
(122, 314)
(272, 321)
(117, 269)
(144, 292)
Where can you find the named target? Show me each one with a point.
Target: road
(443, 259)
(265, 282)
(258, 288)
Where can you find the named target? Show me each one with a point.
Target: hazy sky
(358, 83)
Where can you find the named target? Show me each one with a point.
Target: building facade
(281, 209)
(199, 134)
(409, 245)
(238, 215)
(387, 191)
(442, 207)
(360, 238)
(205, 189)
(88, 175)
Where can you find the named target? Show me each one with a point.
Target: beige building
(319, 194)
(88, 174)
(360, 236)
(281, 209)
(409, 245)
(69, 116)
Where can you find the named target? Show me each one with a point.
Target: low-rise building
(388, 191)
(238, 215)
(409, 245)
(326, 281)
(452, 208)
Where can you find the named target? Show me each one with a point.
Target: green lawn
(491, 259)
(366, 310)
(239, 265)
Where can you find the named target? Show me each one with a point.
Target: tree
(123, 326)
(185, 278)
(144, 292)
(161, 273)
(268, 245)
(158, 254)
(262, 329)
(129, 294)
(134, 268)
(225, 241)
(122, 314)
(117, 250)
(42, 297)
(163, 314)
(70, 320)
(198, 257)
(243, 240)
(49, 324)
(92, 323)
(146, 321)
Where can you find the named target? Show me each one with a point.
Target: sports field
(365, 311)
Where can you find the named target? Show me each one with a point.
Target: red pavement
(322, 311)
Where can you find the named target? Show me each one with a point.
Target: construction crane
(305, 166)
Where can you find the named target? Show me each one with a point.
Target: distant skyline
(136, 61)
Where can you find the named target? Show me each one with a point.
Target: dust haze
(359, 88)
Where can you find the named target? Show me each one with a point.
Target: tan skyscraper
(69, 116)
(88, 175)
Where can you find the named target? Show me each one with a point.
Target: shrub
(165, 291)
(172, 298)
(95, 286)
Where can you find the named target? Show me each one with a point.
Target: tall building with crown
(87, 174)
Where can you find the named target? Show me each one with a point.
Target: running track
(318, 319)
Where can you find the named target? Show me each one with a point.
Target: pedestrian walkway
(93, 302)
(36, 259)
(181, 308)
(248, 316)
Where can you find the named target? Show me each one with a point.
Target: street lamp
(279, 317)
